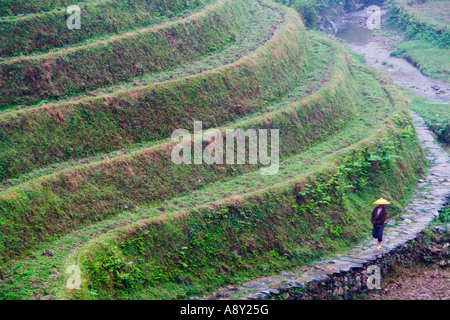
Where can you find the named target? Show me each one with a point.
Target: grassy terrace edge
(48, 30)
(57, 204)
(74, 130)
(66, 72)
(189, 252)
(18, 7)
(427, 43)
(435, 114)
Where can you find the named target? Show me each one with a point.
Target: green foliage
(73, 192)
(417, 29)
(235, 227)
(70, 71)
(436, 116)
(48, 30)
(444, 215)
(428, 40)
(141, 227)
(429, 58)
(20, 7)
(307, 9)
(310, 9)
(34, 138)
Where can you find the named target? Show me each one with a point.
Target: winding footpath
(431, 195)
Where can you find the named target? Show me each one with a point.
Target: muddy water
(354, 32)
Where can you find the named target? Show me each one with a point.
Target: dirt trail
(430, 197)
(419, 284)
(376, 49)
(432, 192)
(422, 284)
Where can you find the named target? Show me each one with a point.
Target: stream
(352, 30)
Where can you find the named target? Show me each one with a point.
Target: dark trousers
(377, 232)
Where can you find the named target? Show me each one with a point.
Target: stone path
(432, 194)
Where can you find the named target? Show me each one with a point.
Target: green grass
(44, 31)
(120, 58)
(312, 80)
(100, 189)
(435, 114)
(265, 227)
(317, 73)
(21, 7)
(376, 106)
(430, 59)
(433, 12)
(52, 133)
(427, 35)
(142, 227)
(259, 28)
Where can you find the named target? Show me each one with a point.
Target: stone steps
(420, 212)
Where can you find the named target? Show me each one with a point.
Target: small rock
(47, 253)
(440, 229)
(391, 223)
(442, 263)
(408, 221)
(267, 293)
(445, 246)
(49, 297)
(346, 295)
(274, 291)
(299, 297)
(287, 286)
(260, 296)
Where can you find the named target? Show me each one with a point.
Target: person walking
(379, 216)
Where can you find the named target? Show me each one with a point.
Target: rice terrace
(224, 149)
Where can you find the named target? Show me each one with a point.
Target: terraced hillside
(426, 26)
(85, 150)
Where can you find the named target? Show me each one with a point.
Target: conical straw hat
(381, 201)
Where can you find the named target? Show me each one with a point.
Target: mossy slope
(53, 133)
(120, 58)
(205, 247)
(101, 189)
(43, 31)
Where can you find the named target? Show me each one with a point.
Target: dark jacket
(381, 218)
